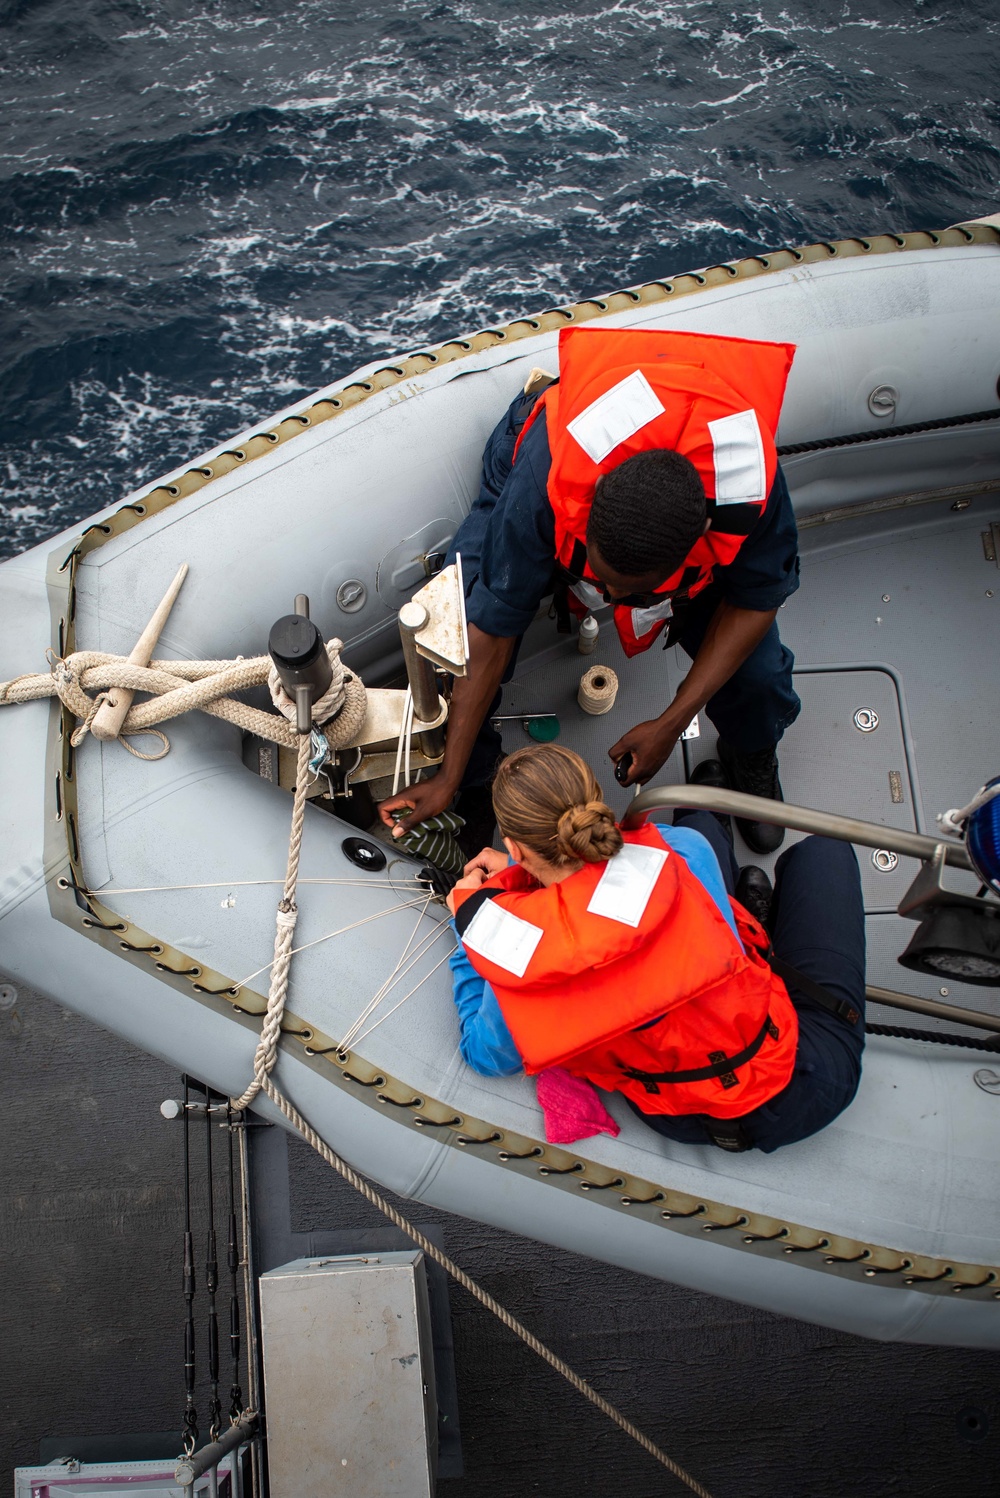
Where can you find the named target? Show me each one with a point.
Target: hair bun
(588, 831)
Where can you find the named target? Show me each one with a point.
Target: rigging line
(212, 1280)
(190, 1416)
(155, 889)
(352, 1036)
(398, 971)
(358, 1039)
(377, 915)
(383, 987)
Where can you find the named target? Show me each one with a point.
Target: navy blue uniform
(508, 551)
(817, 925)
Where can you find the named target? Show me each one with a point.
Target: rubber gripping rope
(483, 1296)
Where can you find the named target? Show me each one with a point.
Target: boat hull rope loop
(81, 681)
(458, 1274)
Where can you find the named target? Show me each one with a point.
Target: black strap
(560, 604)
(722, 1066)
(470, 907)
(842, 1008)
(527, 403)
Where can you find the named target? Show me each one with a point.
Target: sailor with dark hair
(645, 477)
(647, 514)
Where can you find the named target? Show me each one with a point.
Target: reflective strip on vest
(502, 938)
(643, 620)
(740, 469)
(615, 416)
(624, 888)
(590, 596)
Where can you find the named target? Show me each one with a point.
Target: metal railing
(799, 818)
(825, 824)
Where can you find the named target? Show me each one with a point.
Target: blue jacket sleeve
(484, 1039)
(507, 540)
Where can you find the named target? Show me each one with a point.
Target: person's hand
(489, 860)
(472, 879)
(426, 799)
(649, 745)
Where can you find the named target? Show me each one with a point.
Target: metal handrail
(799, 818)
(827, 824)
(955, 1014)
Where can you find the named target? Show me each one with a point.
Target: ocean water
(207, 210)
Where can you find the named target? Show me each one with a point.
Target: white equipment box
(349, 1378)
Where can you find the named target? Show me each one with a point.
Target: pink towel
(572, 1108)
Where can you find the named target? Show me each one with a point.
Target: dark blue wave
(204, 214)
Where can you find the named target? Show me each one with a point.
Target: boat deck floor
(898, 613)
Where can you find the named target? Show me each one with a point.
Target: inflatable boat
(141, 890)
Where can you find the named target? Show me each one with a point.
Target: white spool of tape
(598, 690)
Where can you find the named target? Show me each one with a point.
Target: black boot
(755, 893)
(710, 772)
(755, 775)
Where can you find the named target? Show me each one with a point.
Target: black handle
(622, 768)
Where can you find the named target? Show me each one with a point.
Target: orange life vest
(628, 974)
(620, 392)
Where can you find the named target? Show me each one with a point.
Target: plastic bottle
(586, 641)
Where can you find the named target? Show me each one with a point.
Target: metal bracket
(444, 638)
(928, 891)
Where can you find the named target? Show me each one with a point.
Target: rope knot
(341, 710)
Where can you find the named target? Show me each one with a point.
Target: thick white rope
(267, 1046)
(177, 687)
(333, 699)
